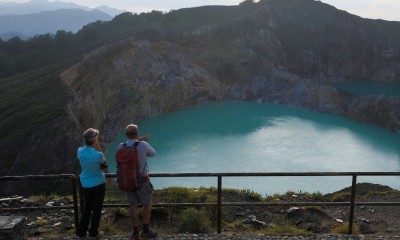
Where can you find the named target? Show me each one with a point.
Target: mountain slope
(281, 51)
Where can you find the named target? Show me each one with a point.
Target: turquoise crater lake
(259, 137)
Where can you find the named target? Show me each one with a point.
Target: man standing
(143, 195)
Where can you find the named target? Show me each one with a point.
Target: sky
(374, 9)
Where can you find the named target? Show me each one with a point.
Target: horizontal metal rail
(352, 203)
(74, 184)
(219, 204)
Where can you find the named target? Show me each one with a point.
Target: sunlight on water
(254, 137)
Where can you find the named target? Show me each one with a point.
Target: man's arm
(150, 152)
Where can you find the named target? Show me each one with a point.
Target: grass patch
(107, 225)
(182, 194)
(285, 229)
(380, 194)
(51, 196)
(343, 229)
(273, 198)
(124, 212)
(194, 221)
(341, 197)
(253, 195)
(52, 235)
(42, 221)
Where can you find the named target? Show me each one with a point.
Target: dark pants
(93, 202)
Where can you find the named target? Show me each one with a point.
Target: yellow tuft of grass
(286, 229)
(107, 225)
(343, 229)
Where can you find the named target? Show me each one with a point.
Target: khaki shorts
(142, 196)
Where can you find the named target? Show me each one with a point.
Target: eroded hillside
(286, 51)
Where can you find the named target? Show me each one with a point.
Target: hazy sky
(383, 9)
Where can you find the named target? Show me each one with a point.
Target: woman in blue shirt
(92, 180)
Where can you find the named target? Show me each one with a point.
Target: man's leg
(146, 197)
(133, 208)
(134, 221)
(134, 216)
(146, 213)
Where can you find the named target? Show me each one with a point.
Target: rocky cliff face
(283, 52)
(134, 80)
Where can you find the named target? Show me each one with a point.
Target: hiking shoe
(149, 234)
(99, 236)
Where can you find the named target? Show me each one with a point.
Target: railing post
(76, 211)
(352, 203)
(219, 207)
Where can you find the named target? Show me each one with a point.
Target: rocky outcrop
(134, 80)
(376, 110)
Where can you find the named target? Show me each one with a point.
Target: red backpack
(129, 177)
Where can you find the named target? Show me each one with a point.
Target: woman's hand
(97, 145)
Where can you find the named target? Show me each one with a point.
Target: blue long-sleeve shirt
(90, 159)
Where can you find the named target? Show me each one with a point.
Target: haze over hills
(50, 21)
(36, 6)
(280, 51)
(40, 17)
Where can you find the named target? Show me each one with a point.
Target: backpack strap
(124, 145)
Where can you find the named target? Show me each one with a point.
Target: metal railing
(74, 184)
(219, 204)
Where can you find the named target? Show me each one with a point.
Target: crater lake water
(257, 137)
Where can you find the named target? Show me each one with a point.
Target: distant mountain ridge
(36, 6)
(50, 21)
(25, 20)
(9, 35)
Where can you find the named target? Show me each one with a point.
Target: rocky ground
(369, 220)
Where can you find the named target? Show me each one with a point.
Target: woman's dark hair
(90, 141)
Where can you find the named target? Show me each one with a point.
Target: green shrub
(253, 195)
(379, 194)
(174, 194)
(341, 197)
(317, 196)
(194, 221)
(273, 198)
